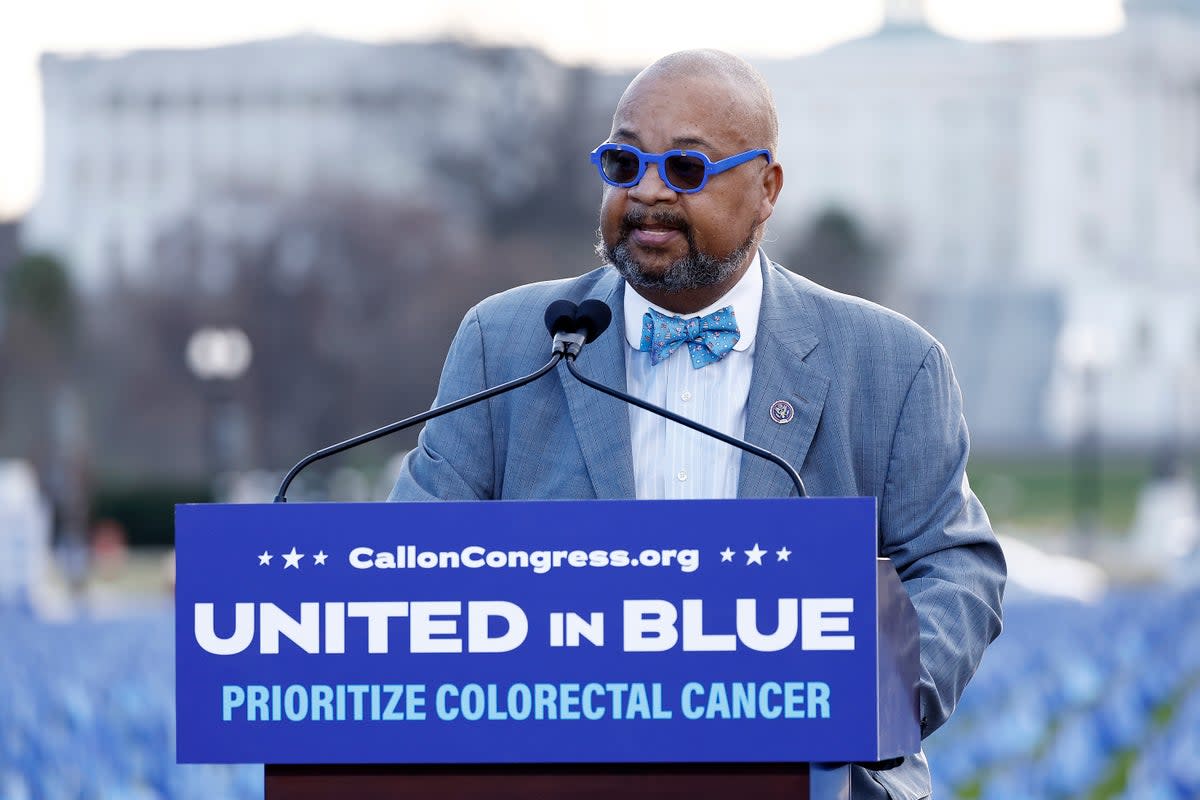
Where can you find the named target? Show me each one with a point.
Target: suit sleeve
(454, 459)
(938, 536)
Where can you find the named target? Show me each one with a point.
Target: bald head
(747, 101)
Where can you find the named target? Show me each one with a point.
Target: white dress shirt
(671, 462)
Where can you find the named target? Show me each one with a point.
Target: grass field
(1045, 492)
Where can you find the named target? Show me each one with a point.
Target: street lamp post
(218, 357)
(1087, 351)
(1087, 458)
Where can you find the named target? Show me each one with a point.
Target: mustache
(637, 218)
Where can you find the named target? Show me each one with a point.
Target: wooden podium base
(553, 781)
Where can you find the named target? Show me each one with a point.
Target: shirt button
(682, 475)
(685, 396)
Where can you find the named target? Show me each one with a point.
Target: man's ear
(772, 184)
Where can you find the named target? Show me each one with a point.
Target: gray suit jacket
(878, 413)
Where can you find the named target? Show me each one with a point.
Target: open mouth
(647, 231)
(654, 236)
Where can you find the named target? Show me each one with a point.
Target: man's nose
(651, 189)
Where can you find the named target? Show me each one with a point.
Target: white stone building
(1059, 178)
(1041, 199)
(134, 143)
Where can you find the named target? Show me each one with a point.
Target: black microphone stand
(571, 327)
(371, 436)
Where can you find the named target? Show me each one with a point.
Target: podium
(542, 649)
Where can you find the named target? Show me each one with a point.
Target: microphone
(560, 319)
(593, 318)
(574, 326)
(561, 322)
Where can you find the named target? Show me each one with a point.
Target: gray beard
(696, 270)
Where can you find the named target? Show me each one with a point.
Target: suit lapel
(602, 422)
(783, 340)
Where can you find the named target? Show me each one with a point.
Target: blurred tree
(43, 417)
(836, 252)
(560, 204)
(37, 351)
(38, 291)
(349, 302)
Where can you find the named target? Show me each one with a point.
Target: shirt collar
(745, 297)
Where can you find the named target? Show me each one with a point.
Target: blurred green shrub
(147, 510)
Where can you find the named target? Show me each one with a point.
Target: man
(860, 399)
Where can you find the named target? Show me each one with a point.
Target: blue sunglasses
(686, 171)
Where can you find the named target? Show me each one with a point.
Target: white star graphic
(319, 558)
(726, 555)
(782, 554)
(754, 556)
(292, 559)
(265, 558)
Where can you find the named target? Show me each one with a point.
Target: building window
(118, 173)
(1002, 253)
(1089, 164)
(954, 115)
(83, 173)
(1089, 102)
(1143, 338)
(1091, 236)
(154, 173)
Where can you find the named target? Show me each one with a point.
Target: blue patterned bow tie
(708, 338)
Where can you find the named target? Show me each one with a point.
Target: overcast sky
(577, 31)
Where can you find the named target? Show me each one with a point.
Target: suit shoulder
(531, 299)
(853, 326)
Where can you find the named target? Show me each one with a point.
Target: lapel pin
(782, 412)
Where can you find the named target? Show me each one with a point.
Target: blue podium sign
(537, 632)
